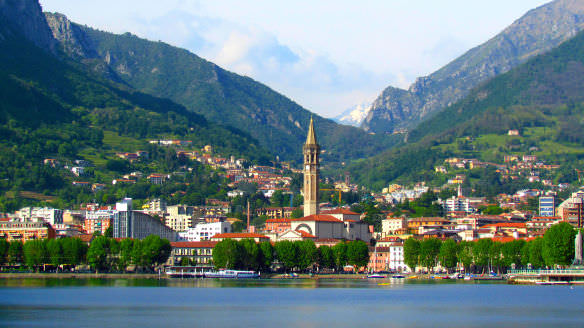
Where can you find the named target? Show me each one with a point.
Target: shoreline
(77, 275)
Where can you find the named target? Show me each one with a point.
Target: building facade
(25, 230)
(206, 230)
(137, 225)
(198, 253)
(547, 206)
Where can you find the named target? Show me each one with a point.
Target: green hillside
(542, 99)
(52, 109)
(156, 68)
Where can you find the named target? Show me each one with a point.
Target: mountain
(543, 99)
(536, 32)
(165, 71)
(355, 115)
(26, 18)
(54, 108)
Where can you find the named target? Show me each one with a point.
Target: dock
(547, 276)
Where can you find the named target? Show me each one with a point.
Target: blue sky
(325, 55)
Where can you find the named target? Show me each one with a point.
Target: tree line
(555, 248)
(104, 254)
(303, 255)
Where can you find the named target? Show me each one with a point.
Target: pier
(551, 277)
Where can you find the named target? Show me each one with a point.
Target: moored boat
(376, 276)
(232, 274)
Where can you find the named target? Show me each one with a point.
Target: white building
(458, 204)
(391, 224)
(396, 257)
(204, 231)
(78, 170)
(50, 215)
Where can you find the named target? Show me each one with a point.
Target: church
(338, 224)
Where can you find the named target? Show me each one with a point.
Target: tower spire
(311, 152)
(311, 137)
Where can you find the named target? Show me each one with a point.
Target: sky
(325, 55)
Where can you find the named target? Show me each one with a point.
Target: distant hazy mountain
(536, 32)
(355, 115)
(221, 96)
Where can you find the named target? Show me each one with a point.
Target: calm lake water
(288, 303)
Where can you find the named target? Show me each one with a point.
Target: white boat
(232, 274)
(376, 276)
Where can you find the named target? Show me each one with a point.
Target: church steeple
(311, 152)
(311, 137)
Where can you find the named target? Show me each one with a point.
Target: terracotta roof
(318, 218)
(340, 211)
(509, 239)
(238, 235)
(327, 240)
(424, 219)
(86, 238)
(305, 234)
(505, 225)
(386, 239)
(193, 244)
(281, 220)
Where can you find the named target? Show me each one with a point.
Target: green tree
(98, 252)
(496, 256)
(267, 255)
(35, 253)
(558, 244)
(251, 255)
(357, 254)
(512, 253)
(55, 252)
(307, 253)
(429, 251)
(340, 254)
(287, 253)
(227, 254)
(297, 213)
(74, 251)
(449, 254)
(4, 246)
(125, 257)
(465, 254)
(326, 258)
(155, 251)
(482, 253)
(536, 253)
(412, 253)
(15, 252)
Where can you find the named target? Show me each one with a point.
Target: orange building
(277, 225)
(25, 231)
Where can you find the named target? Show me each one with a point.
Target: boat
(184, 272)
(376, 276)
(552, 282)
(398, 276)
(232, 274)
(412, 277)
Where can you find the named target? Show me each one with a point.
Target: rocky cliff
(536, 32)
(25, 17)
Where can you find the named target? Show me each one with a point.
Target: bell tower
(311, 151)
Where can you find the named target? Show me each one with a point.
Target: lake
(284, 303)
